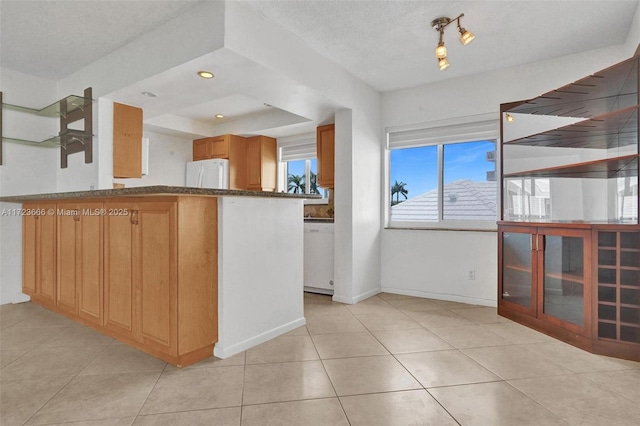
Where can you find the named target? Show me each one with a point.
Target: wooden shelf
(625, 166)
(611, 130)
(607, 90)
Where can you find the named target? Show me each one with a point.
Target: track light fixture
(439, 25)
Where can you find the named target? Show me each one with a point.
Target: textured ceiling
(52, 39)
(390, 44)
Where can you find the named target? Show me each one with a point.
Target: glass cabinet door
(517, 272)
(564, 282)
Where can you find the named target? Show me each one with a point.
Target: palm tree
(295, 184)
(313, 181)
(398, 189)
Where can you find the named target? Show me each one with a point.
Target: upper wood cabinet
(237, 162)
(127, 141)
(215, 147)
(325, 145)
(261, 163)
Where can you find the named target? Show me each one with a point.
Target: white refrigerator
(208, 174)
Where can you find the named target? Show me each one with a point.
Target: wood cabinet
(79, 259)
(545, 274)
(261, 163)
(617, 290)
(140, 278)
(230, 147)
(214, 147)
(39, 252)
(127, 141)
(325, 140)
(142, 270)
(569, 239)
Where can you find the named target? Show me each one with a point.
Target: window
(443, 177)
(298, 170)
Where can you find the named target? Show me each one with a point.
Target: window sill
(445, 226)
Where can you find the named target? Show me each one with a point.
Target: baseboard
(227, 351)
(356, 299)
(441, 296)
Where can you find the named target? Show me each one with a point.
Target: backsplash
(320, 210)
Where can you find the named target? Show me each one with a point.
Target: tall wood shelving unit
(575, 278)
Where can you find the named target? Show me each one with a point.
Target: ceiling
(387, 44)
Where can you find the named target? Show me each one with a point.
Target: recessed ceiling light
(149, 94)
(205, 74)
(219, 116)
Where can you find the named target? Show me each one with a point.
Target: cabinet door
(268, 164)
(238, 162)
(68, 252)
(325, 145)
(219, 146)
(201, 149)
(155, 254)
(46, 255)
(564, 290)
(518, 268)
(29, 251)
(90, 272)
(254, 171)
(127, 141)
(119, 290)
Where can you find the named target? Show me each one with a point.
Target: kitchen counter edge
(157, 190)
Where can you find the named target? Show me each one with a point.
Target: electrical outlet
(471, 274)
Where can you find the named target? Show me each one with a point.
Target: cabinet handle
(76, 217)
(134, 217)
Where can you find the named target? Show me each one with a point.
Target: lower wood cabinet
(578, 283)
(39, 252)
(79, 259)
(141, 270)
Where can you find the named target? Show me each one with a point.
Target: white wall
(167, 158)
(357, 151)
(261, 274)
(25, 170)
(435, 263)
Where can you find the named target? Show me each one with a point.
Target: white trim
(440, 296)
(356, 299)
(226, 352)
(461, 225)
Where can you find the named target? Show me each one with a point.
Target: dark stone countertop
(157, 190)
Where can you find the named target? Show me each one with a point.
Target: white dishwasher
(318, 257)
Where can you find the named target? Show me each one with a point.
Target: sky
(418, 167)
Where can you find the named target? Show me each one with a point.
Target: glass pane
(295, 177)
(516, 268)
(527, 199)
(564, 278)
(469, 181)
(414, 184)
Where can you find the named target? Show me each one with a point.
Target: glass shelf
(626, 166)
(610, 89)
(612, 130)
(71, 103)
(71, 136)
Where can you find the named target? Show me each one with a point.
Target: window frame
(441, 133)
(301, 148)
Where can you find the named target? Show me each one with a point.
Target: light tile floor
(389, 360)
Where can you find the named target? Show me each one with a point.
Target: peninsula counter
(172, 271)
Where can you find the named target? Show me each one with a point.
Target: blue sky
(418, 167)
